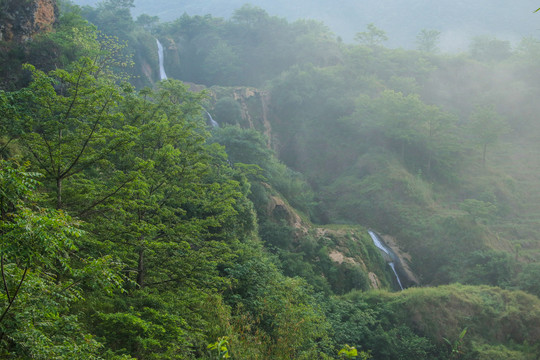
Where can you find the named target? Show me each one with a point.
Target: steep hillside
(448, 322)
(344, 256)
(298, 198)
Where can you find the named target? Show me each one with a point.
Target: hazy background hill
(402, 20)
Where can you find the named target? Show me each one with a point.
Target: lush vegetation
(131, 229)
(403, 20)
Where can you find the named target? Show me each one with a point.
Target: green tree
(69, 122)
(222, 65)
(490, 49)
(372, 37)
(427, 40)
(173, 193)
(175, 224)
(283, 309)
(486, 127)
(228, 111)
(42, 274)
(478, 209)
(350, 352)
(250, 16)
(220, 347)
(528, 279)
(249, 147)
(112, 17)
(410, 126)
(315, 44)
(146, 21)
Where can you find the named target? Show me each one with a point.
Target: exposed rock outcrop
(20, 20)
(254, 108)
(404, 260)
(278, 209)
(346, 247)
(255, 101)
(374, 280)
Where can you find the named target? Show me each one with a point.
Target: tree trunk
(140, 268)
(58, 193)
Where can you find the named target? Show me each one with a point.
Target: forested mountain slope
(134, 228)
(402, 20)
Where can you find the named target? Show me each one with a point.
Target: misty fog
(458, 21)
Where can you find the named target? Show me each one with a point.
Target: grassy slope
(494, 318)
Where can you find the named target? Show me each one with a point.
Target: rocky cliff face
(345, 246)
(254, 108)
(254, 105)
(20, 20)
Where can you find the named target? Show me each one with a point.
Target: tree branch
(36, 157)
(71, 285)
(106, 197)
(14, 295)
(4, 278)
(83, 148)
(75, 95)
(6, 145)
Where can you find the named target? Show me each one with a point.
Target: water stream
(378, 242)
(390, 255)
(393, 266)
(162, 74)
(213, 122)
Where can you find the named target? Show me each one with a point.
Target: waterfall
(213, 122)
(162, 74)
(378, 242)
(390, 255)
(395, 273)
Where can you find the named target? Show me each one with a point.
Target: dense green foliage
(429, 323)
(165, 207)
(402, 20)
(130, 229)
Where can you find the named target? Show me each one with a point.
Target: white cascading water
(213, 122)
(162, 74)
(395, 273)
(378, 243)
